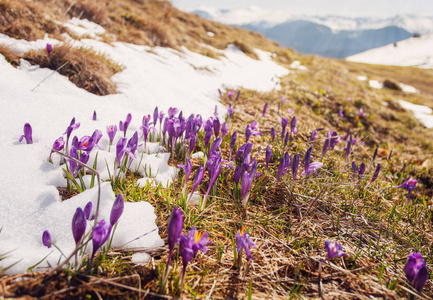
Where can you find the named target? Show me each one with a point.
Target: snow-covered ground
(30, 202)
(421, 112)
(416, 52)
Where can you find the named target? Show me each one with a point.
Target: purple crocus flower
(248, 133)
(334, 249)
(307, 158)
(237, 95)
(230, 94)
(172, 111)
(347, 135)
(273, 133)
(46, 238)
(72, 164)
(286, 139)
(84, 158)
(155, 116)
(284, 123)
(215, 145)
(281, 168)
(416, 271)
(340, 113)
(207, 137)
(94, 118)
(265, 108)
(72, 126)
(408, 185)
(87, 210)
(237, 174)
(375, 174)
(117, 209)
(313, 135)
(224, 129)
(333, 137)
(174, 229)
(58, 145)
(214, 172)
(123, 126)
(197, 179)
(243, 242)
(189, 246)
(325, 148)
(27, 134)
(375, 153)
(79, 223)
(49, 48)
(232, 143)
(216, 127)
(132, 144)
(362, 113)
(361, 171)
(312, 168)
(347, 149)
(111, 131)
(245, 187)
(268, 157)
(191, 145)
(293, 127)
(100, 235)
(230, 111)
(86, 143)
(187, 169)
(96, 136)
(295, 166)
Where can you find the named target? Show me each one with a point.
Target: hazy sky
(353, 8)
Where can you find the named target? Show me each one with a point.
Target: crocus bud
(155, 116)
(207, 137)
(174, 228)
(215, 145)
(192, 141)
(72, 163)
(49, 48)
(248, 133)
(264, 110)
(313, 135)
(117, 209)
(94, 116)
(78, 225)
(46, 239)
(197, 178)
(216, 127)
(27, 134)
(237, 95)
(325, 147)
(293, 127)
(376, 173)
(375, 153)
(295, 166)
(88, 210)
(284, 123)
(273, 134)
(286, 139)
(237, 175)
(281, 167)
(224, 129)
(268, 156)
(233, 140)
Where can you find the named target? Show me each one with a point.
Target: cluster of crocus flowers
(243, 242)
(416, 271)
(27, 134)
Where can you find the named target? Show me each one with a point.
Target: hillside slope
(157, 56)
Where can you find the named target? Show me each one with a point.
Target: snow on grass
(375, 84)
(421, 112)
(30, 202)
(416, 52)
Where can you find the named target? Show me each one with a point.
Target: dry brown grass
(85, 68)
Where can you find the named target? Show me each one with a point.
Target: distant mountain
(312, 38)
(332, 36)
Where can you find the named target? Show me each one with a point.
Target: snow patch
(421, 112)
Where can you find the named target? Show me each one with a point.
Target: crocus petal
(117, 209)
(174, 227)
(78, 225)
(46, 239)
